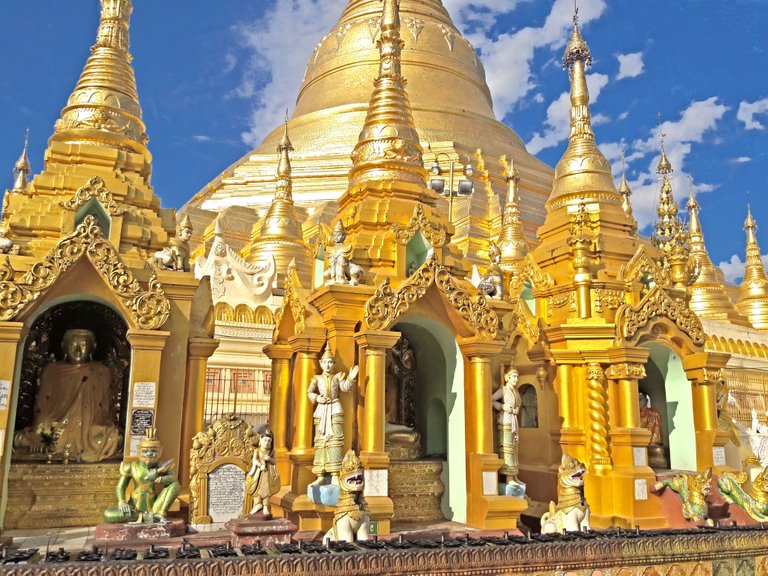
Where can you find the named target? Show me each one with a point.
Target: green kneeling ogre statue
(155, 486)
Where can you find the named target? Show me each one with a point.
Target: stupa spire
(512, 241)
(583, 171)
(104, 106)
(753, 292)
(388, 148)
(624, 189)
(284, 178)
(22, 169)
(709, 298)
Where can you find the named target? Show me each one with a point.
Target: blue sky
(214, 77)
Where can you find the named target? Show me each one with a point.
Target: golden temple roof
(709, 298)
(104, 106)
(388, 148)
(753, 292)
(583, 174)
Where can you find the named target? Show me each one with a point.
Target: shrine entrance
(669, 393)
(432, 485)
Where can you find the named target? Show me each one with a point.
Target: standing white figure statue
(341, 269)
(507, 401)
(323, 392)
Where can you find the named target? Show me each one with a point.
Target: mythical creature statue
(155, 486)
(263, 481)
(693, 490)
(351, 520)
(175, 256)
(492, 284)
(571, 513)
(323, 391)
(341, 269)
(754, 502)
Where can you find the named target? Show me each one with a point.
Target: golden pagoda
(457, 128)
(87, 231)
(753, 292)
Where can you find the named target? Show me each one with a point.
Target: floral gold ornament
(434, 233)
(149, 308)
(95, 188)
(387, 305)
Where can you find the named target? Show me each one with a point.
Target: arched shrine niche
(73, 385)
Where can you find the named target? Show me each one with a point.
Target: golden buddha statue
(74, 400)
(175, 256)
(323, 392)
(650, 419)
(401, 440)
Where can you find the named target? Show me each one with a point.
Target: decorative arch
(433, 232)
(243, 314)
(224, 312)
(263, 315)
(529, 272)
(387, 305)
(149, 308)
(641, 264)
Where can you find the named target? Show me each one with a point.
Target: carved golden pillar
(705, 370)
(12, 335)
(631, 478)
(193, 420)
(373, 345)
(485, 508)
(279, 405)
(597, 411)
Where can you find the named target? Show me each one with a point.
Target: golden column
(705, 371)
(12, 334)
(193, 420)
(279, 405)
(597, 407)
(373, 346)
(485, 508)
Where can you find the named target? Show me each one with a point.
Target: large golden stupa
(452, 107)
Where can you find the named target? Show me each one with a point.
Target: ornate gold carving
(711, 375)
(642, 265)
(149, 308)
(527, 323)
(597, 401)
(386, 305)
(415, 25)
(95, 188)
(610, 299)
(657, 303)
(558, 301)
(295, 301)
(6, 272)
(625, 371)
(230, 440)
(416, 489)
(528, 270)
(433, 232)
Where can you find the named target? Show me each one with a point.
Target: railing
(240, 391)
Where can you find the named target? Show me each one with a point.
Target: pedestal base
(252, 528)
(326, 494)
(516, 489)
(416, 490)
(137, 532)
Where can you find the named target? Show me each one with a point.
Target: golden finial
(284, 148)
(512, 242)
(21, 168)
(113, 115)
(624, 188)
(693, 207)
(218, 232)
(670, 235)
(665, 166)
(388, 148)
(583, 173)
(753, 292)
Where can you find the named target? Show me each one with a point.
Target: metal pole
(450, 194)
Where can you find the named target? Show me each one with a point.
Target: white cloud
(623, 115)
(230, 62)
(277, 61)
(696, 121)
(508, 57)
(630, 65)
(478, 13)
(201, 138)
(740, 160)
(748, 111)
(734, 268)
(556, 125)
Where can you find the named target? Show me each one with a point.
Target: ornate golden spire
(104, 107)
(709, 298)
(280, 234)
(512, 242)
(625, 190)
(583, 173)
(388, 148)
(669, 235)
(22, 169)
(753, 292)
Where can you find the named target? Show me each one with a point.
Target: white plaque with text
(640, 456)
(718, 456)
(226, 493)
(5, 393)
(144, 394)
(641, 489)
(490, 483)
(376, 483)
